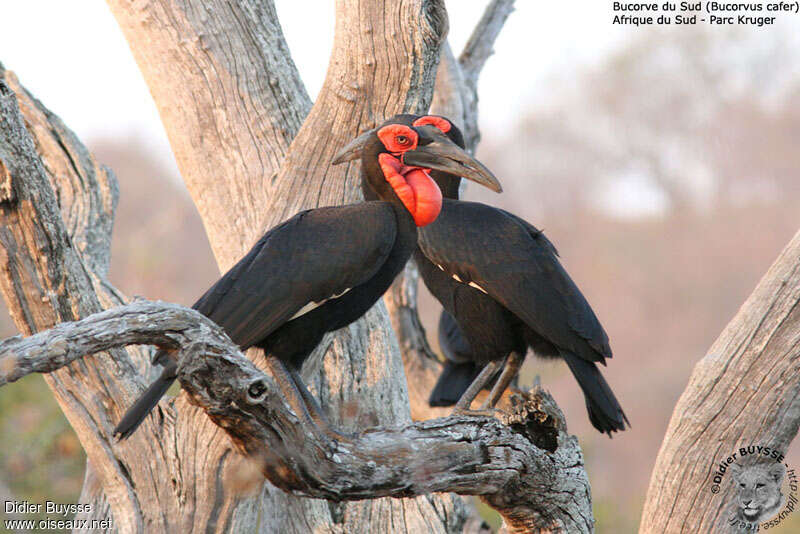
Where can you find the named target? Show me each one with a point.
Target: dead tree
(248, 142)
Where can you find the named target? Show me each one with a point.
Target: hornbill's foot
(476, 386)
(512, 366)
(304, 405)
(332, 433)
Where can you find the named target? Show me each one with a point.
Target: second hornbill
(501, 280)
(324, 268)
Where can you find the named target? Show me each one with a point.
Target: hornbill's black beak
(441, 154)
(353, 149)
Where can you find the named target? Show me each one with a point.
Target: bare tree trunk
(232, 102)
(745, 391)
(54, 255)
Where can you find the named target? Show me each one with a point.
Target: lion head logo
(758, 491)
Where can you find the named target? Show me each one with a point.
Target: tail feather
(605, 413)
(452, 383)
(149, 399)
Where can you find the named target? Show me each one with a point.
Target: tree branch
(528, 468)
(231, 100)
(139, 323)
(473, 58)
(232, 104)
(745, 391)
(480, 43)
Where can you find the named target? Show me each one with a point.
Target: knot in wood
(536, 416)
(256, 390)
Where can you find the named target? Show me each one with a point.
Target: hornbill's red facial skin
(398, 158)
(504, 291)
(324, 268)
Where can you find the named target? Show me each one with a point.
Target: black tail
(452, 383)
(136, 413)
(605, 413)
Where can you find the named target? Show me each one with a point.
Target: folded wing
(315, 255)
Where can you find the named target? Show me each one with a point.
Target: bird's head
(397, 158)
(449, 183)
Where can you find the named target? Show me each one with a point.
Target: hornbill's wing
(515, 264)
(315, 255)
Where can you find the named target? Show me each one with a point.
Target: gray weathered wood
(508, 463)
(472, 59)
(45, 279)
(231, 101)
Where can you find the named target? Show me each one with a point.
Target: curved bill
(442, 154)
(353, 149)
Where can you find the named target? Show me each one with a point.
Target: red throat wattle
(415, 188)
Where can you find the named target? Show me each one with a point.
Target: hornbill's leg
(296, 401)
(477, 385)
(513, 363)
(314, 409)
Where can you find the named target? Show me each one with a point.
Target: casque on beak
(442, 154)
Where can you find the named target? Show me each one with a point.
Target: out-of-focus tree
(687, 119)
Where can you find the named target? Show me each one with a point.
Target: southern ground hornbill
(324, 268)
(501, 280)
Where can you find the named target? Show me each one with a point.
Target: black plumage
(323, 268)
(460, 368)
(502, 281)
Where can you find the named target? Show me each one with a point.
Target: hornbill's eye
(402, 139)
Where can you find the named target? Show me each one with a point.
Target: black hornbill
(324, 268)
(501, 280)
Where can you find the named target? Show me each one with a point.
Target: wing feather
(309, 258)
(517, 266)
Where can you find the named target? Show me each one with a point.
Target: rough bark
(526, 466)
(53, 272)
(231, 101)
(745, 391)
(206, 64)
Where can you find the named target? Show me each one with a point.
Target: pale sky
(73, 57)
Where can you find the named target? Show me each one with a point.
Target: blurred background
(661, 162)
